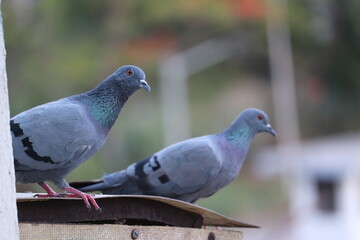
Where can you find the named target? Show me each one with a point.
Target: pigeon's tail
(85, 184)
(89, 186)
(109, 181)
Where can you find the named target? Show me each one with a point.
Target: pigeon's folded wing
(51, 135)
(184, 167)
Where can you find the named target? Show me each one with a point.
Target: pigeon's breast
(232, 158)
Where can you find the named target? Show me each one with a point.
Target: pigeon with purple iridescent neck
(51, 140)
(191, 169)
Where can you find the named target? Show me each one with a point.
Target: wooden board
(30, 231)
(118, 208)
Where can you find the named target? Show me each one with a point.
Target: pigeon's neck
(240, 136)
(105, 102)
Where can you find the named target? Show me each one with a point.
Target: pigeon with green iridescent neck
(51, 140)
(191, 169)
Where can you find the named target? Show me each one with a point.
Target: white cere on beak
(145, 85)
(143, 81)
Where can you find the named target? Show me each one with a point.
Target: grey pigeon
(191, 169)
(51, 140)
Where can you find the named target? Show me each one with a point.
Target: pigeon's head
(132, 77)
(257, 120)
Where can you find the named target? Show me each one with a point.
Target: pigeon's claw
(88, 198)
(49, 191)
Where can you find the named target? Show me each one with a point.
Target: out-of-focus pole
(284, 100)
(174, 72)
(282, 71)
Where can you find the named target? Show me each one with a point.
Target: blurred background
(206, 61)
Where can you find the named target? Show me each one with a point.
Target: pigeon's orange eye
(129, 72)
(260, 117)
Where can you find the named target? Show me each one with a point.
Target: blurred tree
(326, 43)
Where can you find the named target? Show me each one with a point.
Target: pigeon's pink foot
(50, 192)
(86, 197)
(72, 193)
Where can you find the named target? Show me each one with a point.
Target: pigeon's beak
(270, 130)
(145, 85)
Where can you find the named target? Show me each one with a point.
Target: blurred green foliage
(60, 48)
(326, 44)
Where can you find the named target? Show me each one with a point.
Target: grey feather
(191, 169)
(52, 139)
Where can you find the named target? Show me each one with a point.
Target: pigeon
(51, 140)
(191, 169)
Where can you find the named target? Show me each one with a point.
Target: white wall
(8, 211)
